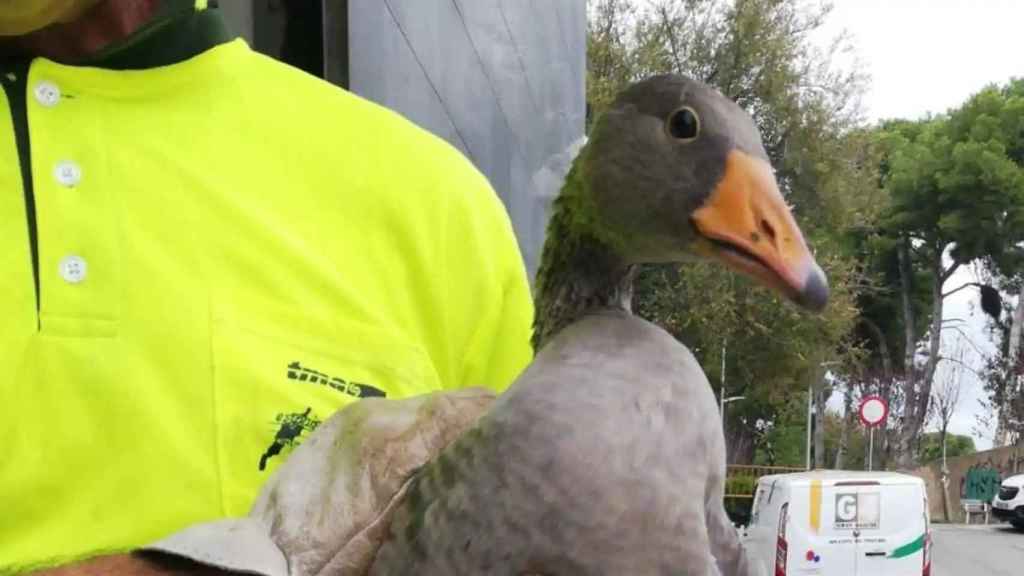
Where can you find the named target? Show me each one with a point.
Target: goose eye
(684, 124)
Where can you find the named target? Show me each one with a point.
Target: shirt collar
(178, 31)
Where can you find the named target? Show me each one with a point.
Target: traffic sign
(873, 411)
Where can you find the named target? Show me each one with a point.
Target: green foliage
(736, 485)
(952, 182)
(855, 457)
(956, 445)
(996, 116)
(957, 180)
(787, 442)
(879, 299)
(989, 131)
(784, 442)
(609, 52)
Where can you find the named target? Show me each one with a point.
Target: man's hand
(135, 564)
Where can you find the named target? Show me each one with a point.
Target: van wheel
(1018, 524)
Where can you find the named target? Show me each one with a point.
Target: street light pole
(810, 410)
(729, 400)
(810, 420)
(721, 388)
(722, 400)
(722, 408)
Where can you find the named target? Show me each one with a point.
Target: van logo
(857, 511)
(300, 373)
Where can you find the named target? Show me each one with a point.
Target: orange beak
(746, 224)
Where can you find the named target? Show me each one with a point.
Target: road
(977, 550)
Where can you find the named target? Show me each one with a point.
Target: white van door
(836, 547)
(891, 530)
(887, 524)
(816, 545)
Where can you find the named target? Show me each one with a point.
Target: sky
(926, 56)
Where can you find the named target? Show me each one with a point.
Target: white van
(1008, 505)
(836, 523)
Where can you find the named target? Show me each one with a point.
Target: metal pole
(871, 448)
(721, 406)
(809, 418)
(721, 389)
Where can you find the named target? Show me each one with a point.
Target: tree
(847, 424)
(854, 455)
(997, 113)
(945, 397)
(880, 325)
(1009, 386)
(1005, 396)
(956, 445)
(946, 394)
(956, 198)
(610, 64)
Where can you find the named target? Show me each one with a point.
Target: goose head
(674, 170)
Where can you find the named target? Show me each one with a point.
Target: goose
(606, 455)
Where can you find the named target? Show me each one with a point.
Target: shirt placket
(75, 216)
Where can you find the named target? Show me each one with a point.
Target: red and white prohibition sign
(873, 413)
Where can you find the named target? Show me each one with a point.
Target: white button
(47, 94)
(67, 173)
(73, 269)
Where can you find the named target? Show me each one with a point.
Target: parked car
(840, 523)
(1008, 504)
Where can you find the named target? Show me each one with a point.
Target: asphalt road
(977, 550)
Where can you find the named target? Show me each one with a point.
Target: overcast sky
(928, 56)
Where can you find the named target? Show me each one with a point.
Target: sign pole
(871, 448)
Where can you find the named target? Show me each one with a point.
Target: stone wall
(1005, 461)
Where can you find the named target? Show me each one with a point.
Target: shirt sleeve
(489, 304)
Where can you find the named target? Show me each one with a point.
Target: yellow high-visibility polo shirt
(210, 258)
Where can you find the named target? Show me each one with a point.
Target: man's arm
(135, 564)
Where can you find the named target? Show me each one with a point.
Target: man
(204, 254)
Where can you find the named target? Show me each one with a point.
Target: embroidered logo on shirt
(300, 373)
(291, 427)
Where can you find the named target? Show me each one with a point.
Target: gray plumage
(605, 457)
